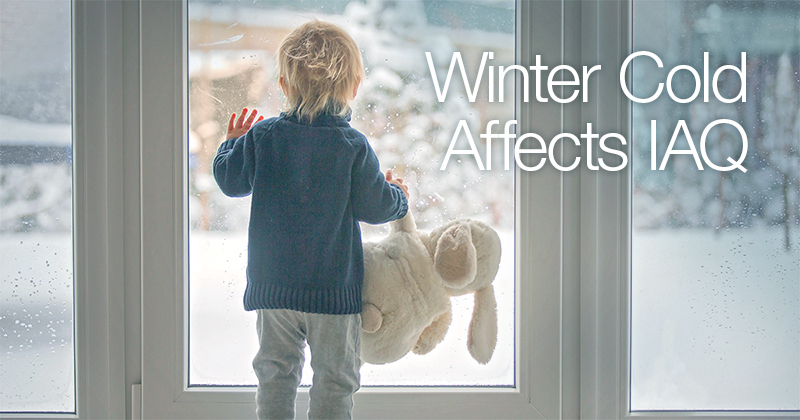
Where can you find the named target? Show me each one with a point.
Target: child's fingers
(260, 118)
(250, 119)
(240, 121)
(389, 175)
(230, 122)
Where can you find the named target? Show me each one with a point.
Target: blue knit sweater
(311, 185)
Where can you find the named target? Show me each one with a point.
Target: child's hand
(238, 128)
(397, 181)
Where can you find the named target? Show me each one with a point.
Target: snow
(396, 107)
(36, 342)
(36, 197)
(715, 314)
(223, 41)
(249, 16)
(681, 195)
(18, 132)
(715, 320)
(219, 64)
(223, 342)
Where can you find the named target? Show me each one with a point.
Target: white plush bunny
(408, 281)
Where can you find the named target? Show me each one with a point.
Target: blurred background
(232, 64)
(681, 196)
(37, 371)
(715, 276)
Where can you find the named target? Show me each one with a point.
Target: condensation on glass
(232, 64)
(716, 255)
(37, 369)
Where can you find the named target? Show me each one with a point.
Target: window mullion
(97, 101)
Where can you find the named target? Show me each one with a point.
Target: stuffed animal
(409, 278)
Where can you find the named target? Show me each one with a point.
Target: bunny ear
(483, 327)
(455, 259)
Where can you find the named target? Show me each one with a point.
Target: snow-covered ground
(715, 322)
(22, 132)
(36, 342)
(223, 342)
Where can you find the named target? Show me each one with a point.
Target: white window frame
(540, 365)
(98, 197)
(572, 233)
(99, 314)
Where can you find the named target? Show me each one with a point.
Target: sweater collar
(322, 120)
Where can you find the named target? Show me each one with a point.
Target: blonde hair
(320, 65)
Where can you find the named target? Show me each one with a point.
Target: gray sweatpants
(335, 347)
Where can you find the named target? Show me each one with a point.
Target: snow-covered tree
(780, 144)
(36, 198)
(397, 109)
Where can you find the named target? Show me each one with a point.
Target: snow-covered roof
(17, 132)
(251, 16)
(219, 64)
(480, 32)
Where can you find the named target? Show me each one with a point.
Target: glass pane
(716, 254)
(232, 64)
(37, 368)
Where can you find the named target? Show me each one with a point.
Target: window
(37, 346)
(579, 278)
(715, 297)
(170, 133)
(232, 65)
(584, 274)
(657, 312)
(62, 298)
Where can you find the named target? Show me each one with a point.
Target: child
(313, 178)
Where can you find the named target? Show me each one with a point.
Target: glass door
(232, 64)
(715, 297)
